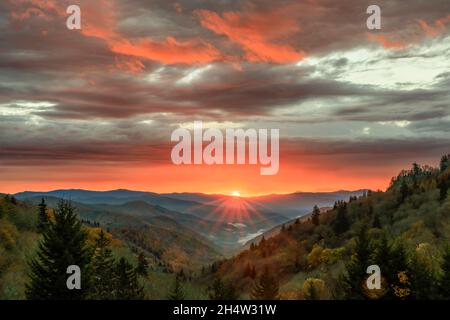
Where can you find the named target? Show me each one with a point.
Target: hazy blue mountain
(226, 221)
(290, 205)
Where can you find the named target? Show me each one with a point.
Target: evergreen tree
(103, 269)
(222, 291)
(443, 185)
(142, 267)
(341, 223)
(126, 283)
(445, 162)
(398, 273)
(63, 245)
(315, 217)
(42, 216)
(404, 191)
(423, 281)
(266, 288)
(381, 257)
(357, 267)
(177, 292)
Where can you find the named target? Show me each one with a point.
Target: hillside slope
(405, 231)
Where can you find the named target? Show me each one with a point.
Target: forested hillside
(115, 264)
(405, 231)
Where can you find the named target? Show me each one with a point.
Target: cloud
(254, 35)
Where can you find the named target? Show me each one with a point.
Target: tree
(404, 191)
(444, 281)
(222, 291)
(423, 282)
(142, 267)
(357, 267)
(177, 292)
(376, 222)
(416, 172)
(42, 216)
(266, 288)
(102, 269)
(126, 284)
(341, 223)
(63, 245)
(398, 272)
(313, 289)
(443, 185)
(315, 217)
(445, 162)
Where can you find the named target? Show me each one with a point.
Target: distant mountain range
(218, 221)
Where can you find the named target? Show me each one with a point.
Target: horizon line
(190, 192)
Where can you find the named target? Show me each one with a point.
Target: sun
(235, 193)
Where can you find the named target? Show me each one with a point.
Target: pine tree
(381, 257)
(177, 292)
(64, 244)
(42, 216)
(398, 273)
(445, 162)
(357, 267)
(142, 267)
(404, 191)
(126, 284)
(423, 281)
(102, 269)
(443, 185)
(341, 223)
(266, 288)
(315, 217)
(222, 291)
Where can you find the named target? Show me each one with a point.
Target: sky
(95, 108)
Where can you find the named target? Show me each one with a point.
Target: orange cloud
(387, 43)
(254, 32)
(170, 51)
(99, 21)
(437, 28)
